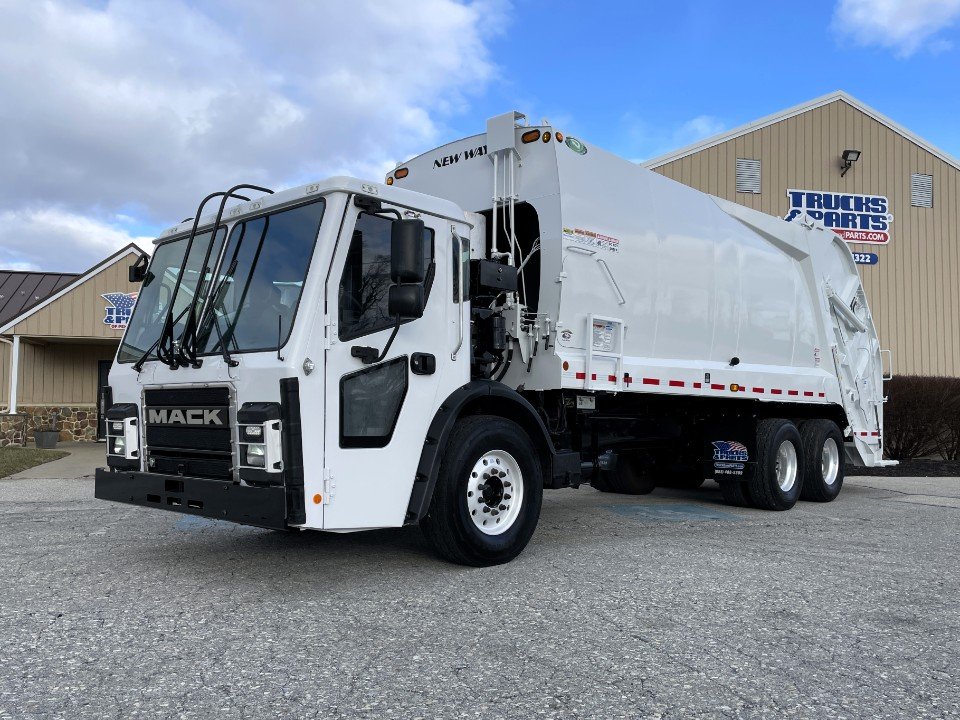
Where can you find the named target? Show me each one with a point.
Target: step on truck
(512, 312)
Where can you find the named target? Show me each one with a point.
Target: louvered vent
(921, 190)
(748, 176)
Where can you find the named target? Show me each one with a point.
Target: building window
(921, 190)
(748, 176)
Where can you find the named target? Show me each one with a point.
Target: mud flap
(729, 450)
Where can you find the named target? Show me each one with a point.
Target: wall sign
(855, 218)
(866, 258)
(118, 310)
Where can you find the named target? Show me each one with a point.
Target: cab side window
(365, 281)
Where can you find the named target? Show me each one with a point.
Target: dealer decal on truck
(855, 218)
(457, 157)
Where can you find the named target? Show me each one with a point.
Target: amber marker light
(566, 366)
(734, 387)
(530, 136)
(401, 173)
(559, 136)
(546, 136)
(317, 499)
(389, 181)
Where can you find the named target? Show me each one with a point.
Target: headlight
(118, 445)
(256, 456)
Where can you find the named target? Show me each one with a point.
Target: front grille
(182, 433)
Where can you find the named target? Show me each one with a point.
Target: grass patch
(16, 459)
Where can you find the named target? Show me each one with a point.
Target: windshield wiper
(187, 352)
(138, 365)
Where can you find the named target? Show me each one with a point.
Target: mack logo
(187, 416)
(457, 157)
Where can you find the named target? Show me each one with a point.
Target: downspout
(10, 343)
(14, 371)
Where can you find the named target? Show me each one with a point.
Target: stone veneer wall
(75, 423)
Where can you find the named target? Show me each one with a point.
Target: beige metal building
(58, 335)
(914, 285)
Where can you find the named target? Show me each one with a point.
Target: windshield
(153, 301)
(253, 296)
(259, 282)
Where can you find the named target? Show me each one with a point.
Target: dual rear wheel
(792, 463)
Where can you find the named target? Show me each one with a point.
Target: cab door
(377, 413)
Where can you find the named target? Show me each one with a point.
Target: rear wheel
(628, 477)
(735, 492)
(778, 476)
(823, 455)
(486, 503)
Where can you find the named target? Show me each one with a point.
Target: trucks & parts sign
(855, 218)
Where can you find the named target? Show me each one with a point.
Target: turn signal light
(401, 173)
(530, 136)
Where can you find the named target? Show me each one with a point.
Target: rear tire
(823, 460)
(627, 478)
(736, 493)
(778, 476)
(481, 512)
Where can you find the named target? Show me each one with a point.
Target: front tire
(778, 476)
(823, 455)
(486, 502)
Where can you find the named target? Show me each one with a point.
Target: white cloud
(153, 105)
(698, 128)
(56, 240)
(904, 26)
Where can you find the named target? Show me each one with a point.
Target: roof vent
(921, 190)
(748, 176)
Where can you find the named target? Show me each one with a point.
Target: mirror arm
(370, 355)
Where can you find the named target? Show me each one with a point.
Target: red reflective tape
(875, 433)
(741, 388)
(758, 390)
(677, 383)
(822, 394)
(717, 386)
(593, 376)
(651, 381)
(864, 433)
(627, 379)
(776, 391)
(793, 392)
(581, 376)
(612, 378)
(808, 393)
(697, 385)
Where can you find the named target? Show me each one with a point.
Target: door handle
(423, 363)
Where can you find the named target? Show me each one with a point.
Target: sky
(118, 116)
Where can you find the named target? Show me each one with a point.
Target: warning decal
(591, 239)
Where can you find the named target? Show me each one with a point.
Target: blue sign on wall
(866, 258)
(855, 218)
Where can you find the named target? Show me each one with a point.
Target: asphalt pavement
(671, 605)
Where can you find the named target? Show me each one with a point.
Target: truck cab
(316, 328)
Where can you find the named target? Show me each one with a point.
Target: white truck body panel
(652, 286)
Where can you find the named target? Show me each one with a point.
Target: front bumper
(218, 499)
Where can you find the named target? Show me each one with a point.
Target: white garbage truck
(512, 312)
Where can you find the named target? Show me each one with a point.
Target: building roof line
(792, 112)
(79, 280)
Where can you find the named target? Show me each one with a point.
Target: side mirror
(406, 249)
(138, 271)
(406, 301)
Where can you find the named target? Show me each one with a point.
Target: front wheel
(486, 502)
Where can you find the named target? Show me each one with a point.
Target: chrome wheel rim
(830, 461)
(495, 492)
(786, 467)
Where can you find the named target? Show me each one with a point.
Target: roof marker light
(389, 180)
(546, 136)
(559, 136)
(530, 136)
(401, 173)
